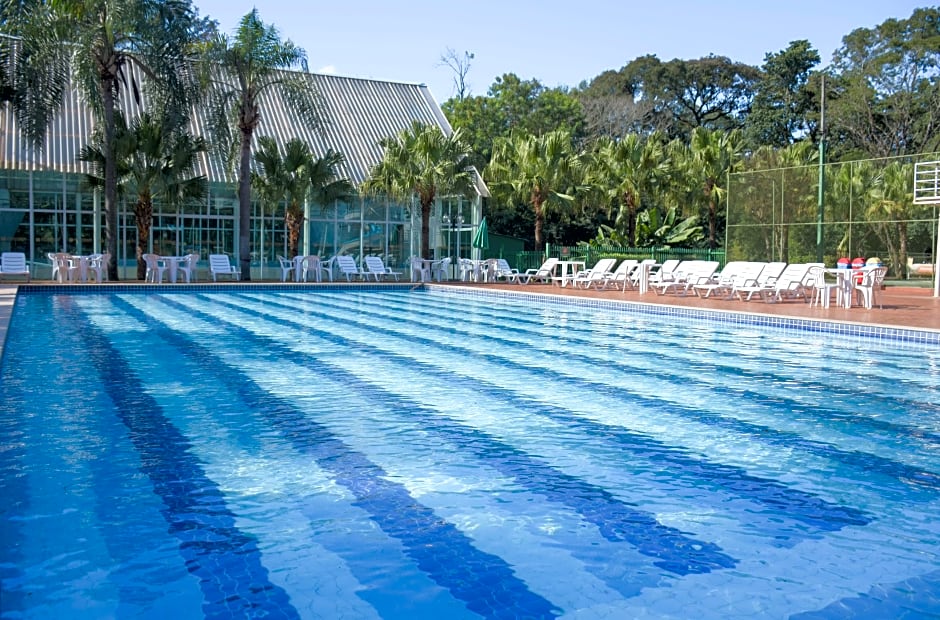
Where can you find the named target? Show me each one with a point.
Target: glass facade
(52, 212)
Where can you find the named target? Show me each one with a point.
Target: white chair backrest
(347, 264)
(220, 263)
(874, 277)
(375, 265)
(13, 262)
(626, 266)
(669, 265)
(548, 266)
(792, 275)
(502, 266)
(601, 267)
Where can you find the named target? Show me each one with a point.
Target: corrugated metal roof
(357, 114)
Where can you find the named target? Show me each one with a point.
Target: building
(45, 208)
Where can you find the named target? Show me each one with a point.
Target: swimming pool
(361, 454)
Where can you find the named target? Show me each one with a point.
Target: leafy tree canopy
(513, 104)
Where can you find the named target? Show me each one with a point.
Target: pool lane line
(794, 504)
(847, 389)
(225, 560)
(617, 521)
(921, 479)
(916, 597)
(437, 547)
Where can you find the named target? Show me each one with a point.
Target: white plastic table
(172, 263)
(569, 269)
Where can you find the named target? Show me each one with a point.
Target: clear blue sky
(558, 43)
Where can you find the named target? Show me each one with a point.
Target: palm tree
(90, 44)
(295, 175)
(713, 154)
(628, 171)
(424, 161)
(238, 72)
(892, 202)
(154, 159)
(540, 171)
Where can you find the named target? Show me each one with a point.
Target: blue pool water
(419, 454)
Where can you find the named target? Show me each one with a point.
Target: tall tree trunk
(110, 178)
(143, 213)
(712, 215)
(293, 219)
(244, 205)
(631, 219)
(426, 226)
(902, 250)
(539, 217)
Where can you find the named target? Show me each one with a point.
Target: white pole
(936, 262)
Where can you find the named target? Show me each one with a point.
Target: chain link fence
(865, 209)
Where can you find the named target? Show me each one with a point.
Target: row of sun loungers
(743, 280)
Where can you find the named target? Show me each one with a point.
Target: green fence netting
(868, 210)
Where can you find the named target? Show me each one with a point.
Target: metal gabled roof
(356, 115)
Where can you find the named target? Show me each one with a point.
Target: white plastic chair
(287, 268)
(314, 269)
(822, 289)
(503, 270)
(13, 264)
(867, 289)
(420, 269)
(378, 269)
(99, 267)
(155, 268)
(347, 266)
(188, 267)
(219, 265)
(439, 268)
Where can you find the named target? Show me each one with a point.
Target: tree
(782, 97)
(713, 154)
(238, 73)
(892, 201)
(513, 105)
(460, 65)
(885, 91)
(424, 161)
(154, 160)
(295, 175)
(89, 44)
(627, 171)
(541, 171)
(712, 92)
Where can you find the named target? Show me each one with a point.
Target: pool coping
(926, 336)
(908, 335)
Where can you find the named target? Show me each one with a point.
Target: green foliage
(782, 97)
(626, 173)
(543, 171)
(236, 74)
(678, 95)
(423, 161)
(654, 229)
(885, 92)
(155, 159)
(294, 174)
(512, 105)
(90, 44)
